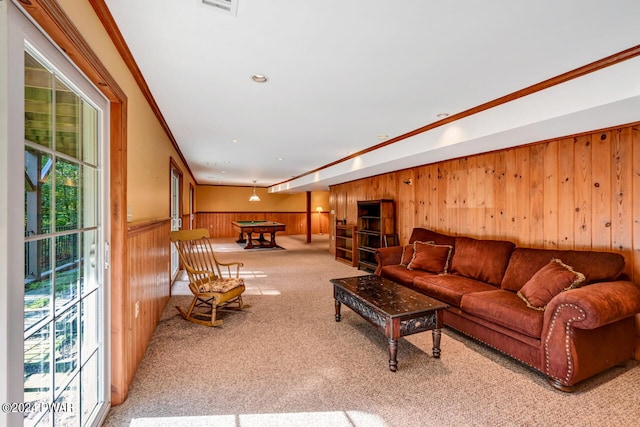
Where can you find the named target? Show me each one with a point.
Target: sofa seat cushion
(506, 309)
(484, 260)
(449, 288)
(400, 274)
(596, 266)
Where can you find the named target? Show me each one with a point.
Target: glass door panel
(68, 116)
(66, 347)
(38, 192)
(64, 414)
(90, 387)
(64, 297)
(37, 369)
(38, 286)
(89, 324)
(38, 102)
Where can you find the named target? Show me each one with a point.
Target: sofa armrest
(388, 256)
(597, 304)
(585, 331)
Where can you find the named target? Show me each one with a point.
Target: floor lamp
(319, 210)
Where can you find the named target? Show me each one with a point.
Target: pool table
(247, 228)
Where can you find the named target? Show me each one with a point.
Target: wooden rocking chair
(211, 290)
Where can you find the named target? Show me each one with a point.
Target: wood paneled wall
(219, 223)
(578, 192)
(148, 284)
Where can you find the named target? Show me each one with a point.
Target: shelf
(365, 265)
(367, 249)
(376, 218)
(369, 232)
(345, 243)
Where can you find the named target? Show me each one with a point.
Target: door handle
(107, 255)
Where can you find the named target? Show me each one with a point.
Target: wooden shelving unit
(376, 218)
(345, 248)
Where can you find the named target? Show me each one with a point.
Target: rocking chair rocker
(209, 288)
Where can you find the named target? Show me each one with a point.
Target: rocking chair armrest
(226, 264)
(229, 264)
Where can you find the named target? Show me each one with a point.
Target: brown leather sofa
(515, 300)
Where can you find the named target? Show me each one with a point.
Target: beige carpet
(286, 362)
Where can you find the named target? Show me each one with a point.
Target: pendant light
(254, 197)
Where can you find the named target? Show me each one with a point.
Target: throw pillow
(407, 254)
(430, 257)
(549, 281)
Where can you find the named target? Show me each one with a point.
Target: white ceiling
(343, 73)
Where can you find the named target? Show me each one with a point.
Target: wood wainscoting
(219, 223)
(576, 192)
(147, 286)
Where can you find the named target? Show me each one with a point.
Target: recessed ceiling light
(280, 158)
(443, 115)
(226, 6)
(383, 136)
(234, 140)
(259, 78)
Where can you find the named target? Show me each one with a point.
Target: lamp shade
(319, 209)
(254, 197)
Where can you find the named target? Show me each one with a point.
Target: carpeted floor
(286, 362)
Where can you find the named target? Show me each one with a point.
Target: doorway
(176, 219)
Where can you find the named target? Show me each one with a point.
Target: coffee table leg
(393, 354)
(337, 311)
(436, 342)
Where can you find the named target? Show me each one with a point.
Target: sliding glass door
(65, 305)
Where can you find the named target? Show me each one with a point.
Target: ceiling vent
(226, 6)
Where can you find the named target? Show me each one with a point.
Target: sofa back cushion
(596, 266)
(425, 235)
(479, 259)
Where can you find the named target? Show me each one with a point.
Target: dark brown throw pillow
(549, 281)
(430, 257)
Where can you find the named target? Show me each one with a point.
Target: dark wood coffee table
(394, 309)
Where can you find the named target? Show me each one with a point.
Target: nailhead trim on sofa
(567, 332)
(493, 347)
